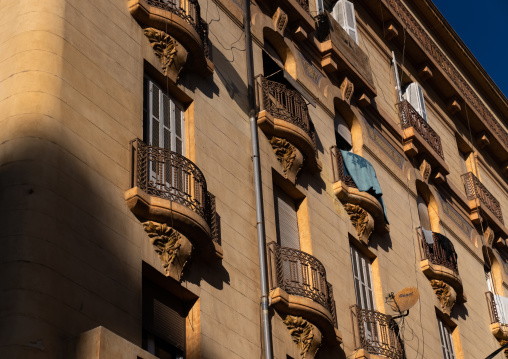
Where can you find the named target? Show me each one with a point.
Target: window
(164, 128)
(164, 324)
(445, 334)
(414, 95)
(423, 213)
(343, 137)
(344, 13)
(362, 275)
(319, 6)
(286, 219)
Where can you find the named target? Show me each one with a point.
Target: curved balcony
(169, 188)
(348, 193)
(299, 287)
(377, 333)
(497, 320)
(284, 113)
(419, 138)
(182, 20)
(439, 264)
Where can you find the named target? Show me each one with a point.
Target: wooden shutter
(414, 95)
(423, 213)
(446, 340)
(344, 13)
(164, 315)
(286, 219)
(362, 275)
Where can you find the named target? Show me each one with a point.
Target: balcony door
(164, 129)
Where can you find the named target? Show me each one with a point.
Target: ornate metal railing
(409, 117)
(491, 303)
(188, 10)
(436, 253)
(166, 174)
(304, 4)
(338, 168)
(286, 104)
(299, 273)
(378, 333)
(476, 190)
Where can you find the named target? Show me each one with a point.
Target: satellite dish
(405, 299)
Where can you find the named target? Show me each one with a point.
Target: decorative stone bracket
(172, 247)
(362, 220)
(305, 335)
(289, 157)
(446, 295)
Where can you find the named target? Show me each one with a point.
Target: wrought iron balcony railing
(166, 174)
(299, 273)
(377, 333)
(494, 313)
(437, 253)
(304, 4)
(188, 10)
(409, 117)
(286, 104)
(338, 168)
(476, 190)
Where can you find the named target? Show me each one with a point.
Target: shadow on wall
(383, 241)
(67, 249)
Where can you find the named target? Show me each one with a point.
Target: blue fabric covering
(363, 175)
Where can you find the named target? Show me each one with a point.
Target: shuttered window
(286, 219)
(319, 6)
(343, 136)
(166, 121)
(414, 95)
(362, 274)
(164, 318)
(344, 13)
(445, 334)
(423, 213)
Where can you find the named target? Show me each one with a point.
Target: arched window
(423, 213)
(343, 137)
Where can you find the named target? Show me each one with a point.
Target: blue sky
(483, 26)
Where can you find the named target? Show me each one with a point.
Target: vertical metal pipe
(260, 216)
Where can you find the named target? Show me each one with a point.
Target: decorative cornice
(465, 90)
(301, 332)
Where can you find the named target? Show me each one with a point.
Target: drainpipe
(260, 216)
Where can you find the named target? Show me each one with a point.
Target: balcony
(365, 210)
(298, 286)
(419, 138)
(342, 56)
(376, 333)
(182, 20)
(497, 319)
(169, 188)
(439, 264)
(283, 113)
(482, 204)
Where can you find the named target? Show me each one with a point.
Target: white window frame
(340, 13)
(413, 93)
(445, 335)
(362, 276)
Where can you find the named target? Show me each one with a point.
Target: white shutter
(423, 213)
(446, 340)
(286, 218)
(319, 6)
(414, 95)
(342, 129)
(362, 275)
(344, 13)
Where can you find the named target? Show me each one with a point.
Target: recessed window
(286, 219)
(343, 137)
(445, 334)
(362, 274)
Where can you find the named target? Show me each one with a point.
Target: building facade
(127, 195)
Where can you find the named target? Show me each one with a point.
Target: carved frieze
(288, 155)
(167, 49)
(362, 220)
(445, 293)
(301, 331)
(172, 248)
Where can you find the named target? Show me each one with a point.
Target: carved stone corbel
(172, 248)
(445, 293)
(489, 236)
(280, 20)
(289, 157)
(171, 54)
(425, 170)
(362, 220)
(305, 335)
(347, 89)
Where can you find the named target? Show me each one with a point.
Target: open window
(413, 93)
(344, 13)
(343, 137)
